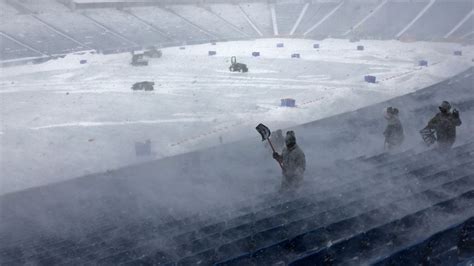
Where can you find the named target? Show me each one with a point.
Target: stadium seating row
(52, 28)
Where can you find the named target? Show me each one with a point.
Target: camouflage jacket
(394, 132)
(294, 162)
(445, 126)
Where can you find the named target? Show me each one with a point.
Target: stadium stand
(431, 27)
(368, 209)
(367, 244)
(208, 22)
(7, 10)
(234, 15)
(45, 6)
(27, 29)
(390, 19)
(175, 27)
(128, 26)
(287, 14)
(343, 19)
(259, 14)
(85, 31)
(446, 247)
(464, 29)
(20, 9)
(411, 207)
(55, 28)
(11, 50)
(314, 14)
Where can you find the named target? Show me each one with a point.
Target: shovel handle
(273, 149)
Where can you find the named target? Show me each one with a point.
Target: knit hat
(390, 112)
(445, 106)
(290, 138)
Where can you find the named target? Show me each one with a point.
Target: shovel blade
(264, 131)
(428, 136)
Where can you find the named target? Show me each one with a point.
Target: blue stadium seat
(370, 79)
(423, 63)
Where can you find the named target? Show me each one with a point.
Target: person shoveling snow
(292, 160)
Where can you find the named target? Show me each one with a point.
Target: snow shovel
(265, 132)
(428, 136)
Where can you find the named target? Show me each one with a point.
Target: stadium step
(393, 234)
(313, 206)
(320, 239)
(282, 213)
(251, 243)
(303, 207)
(446, 247)
(378, 179)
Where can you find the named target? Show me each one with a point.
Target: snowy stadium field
(61, 119)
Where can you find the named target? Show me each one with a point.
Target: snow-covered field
(61, 119)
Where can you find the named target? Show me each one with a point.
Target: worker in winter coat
(293, 163)
(444, 124)
(394, 131)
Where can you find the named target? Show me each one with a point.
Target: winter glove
(456, 113)
(276, 156)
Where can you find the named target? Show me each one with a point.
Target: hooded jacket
(294, 162)
(394, 131)
(445, 126)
